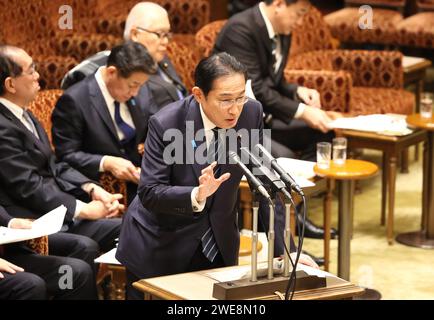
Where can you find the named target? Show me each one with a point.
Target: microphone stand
(287, 237)
(254, 258)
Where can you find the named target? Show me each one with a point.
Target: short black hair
(131, 57)
(216, 66)
(268, 2)
(8, 67)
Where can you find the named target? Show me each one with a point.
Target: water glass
(426, 105)
(339, 151)
(323, 154)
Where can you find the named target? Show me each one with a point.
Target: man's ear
(198, 94)
(111, 71)
(133, 34)
(10, 85)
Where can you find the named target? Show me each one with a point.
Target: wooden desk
(346, 175)
(425, 237)
(199, 286)
(391, 146)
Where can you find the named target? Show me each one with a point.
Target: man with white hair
(147, 23)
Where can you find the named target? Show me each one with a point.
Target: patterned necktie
(273, 51)
(31, 125)
(215, 153)
(127, 130)
(216, 150)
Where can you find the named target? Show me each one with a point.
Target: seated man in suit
(32, 181)
(100, 123)
(184, 216)
(260, 38)
(43, 274)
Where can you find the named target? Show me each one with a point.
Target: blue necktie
(127, 130)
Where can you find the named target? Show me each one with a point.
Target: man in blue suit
(184, 216)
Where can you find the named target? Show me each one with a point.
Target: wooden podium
(199, 286)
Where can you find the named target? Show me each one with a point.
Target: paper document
(300, 170)
(48, 224)
(108, 258)
(386, 124)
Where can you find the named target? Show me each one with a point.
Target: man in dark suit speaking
(260, 38)
(184, 216)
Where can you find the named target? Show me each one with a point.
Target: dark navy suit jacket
(83, 129)
(160, 231)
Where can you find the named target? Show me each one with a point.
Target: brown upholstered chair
(372, 80)
(39, 245)
(185, 59)
(344, 23)
(186, 16)
(418, 30)
(206, 36)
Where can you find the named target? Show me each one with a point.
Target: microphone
(265, 172)
(257, 185)
(285, 176)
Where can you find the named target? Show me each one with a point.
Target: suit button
(122, 150)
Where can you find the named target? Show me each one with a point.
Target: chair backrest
(391, 4)
(186, 16)
(425, 5)
(43, 106)
(206, 36)
(312, 34)
(185, 59)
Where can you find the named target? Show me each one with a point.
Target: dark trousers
(22, 286)
(62, 278)
(198, 262)
(299, 137)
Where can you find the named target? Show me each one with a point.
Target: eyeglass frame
(226, 104)
(160, 35)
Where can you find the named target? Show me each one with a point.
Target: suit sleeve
(68, 136)
(155, 190)
(237, 41)
(4, 217)
(21, 179)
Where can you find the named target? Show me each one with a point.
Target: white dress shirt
(277, 52)
(208, 125)
(110, 103)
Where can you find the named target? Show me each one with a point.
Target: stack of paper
(47, 224)
(387, 124)
(300, 170)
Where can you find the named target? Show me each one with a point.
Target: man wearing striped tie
(184, 216)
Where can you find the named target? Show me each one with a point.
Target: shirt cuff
(300, 110)
(78, 207)
(101, 164)
(9, 223)
(197, 206)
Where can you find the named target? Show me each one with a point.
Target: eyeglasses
(226, 104)
(160, 35)
(31, 71)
